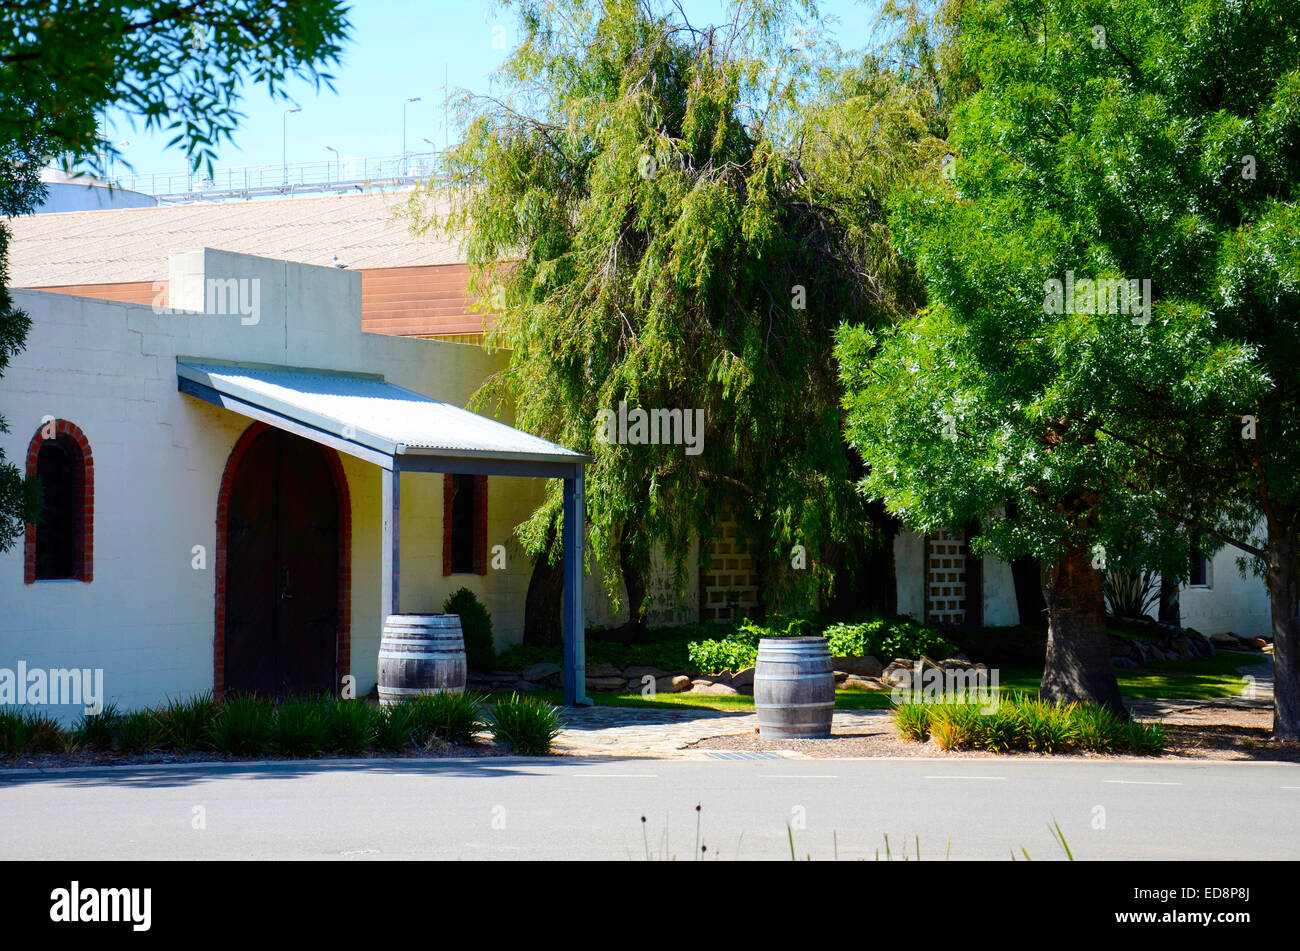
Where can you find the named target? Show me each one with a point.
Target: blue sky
(399, 49)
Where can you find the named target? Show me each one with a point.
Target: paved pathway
(640, 731)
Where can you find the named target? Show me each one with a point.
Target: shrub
(13, 733)
(734, 652)
(476, 625)
(393, 727)
(453, 717)
(528, 725)
(44, 735)
(1146, 739)
(187, 724)
(349, 725)
(32, 733)
(243, 727)
(1130, 595)
(141, 731)
(886, 637)
(1046, 727)
(99, 730)
(1023, 722)
(1099, 729)
(882, 636)
(300, 728)
(913, 721)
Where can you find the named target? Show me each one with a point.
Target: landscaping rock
(674, 683)
(722, 677)
(707, 689)
(1202, 645)
(603, 672)
(854, 682)
(956, 663)
(897, 675)
(743, 678)
(538, 672)
(1258, 643)
(1124, 663)
(841, 676)
(605, 684)
(860, 666)
(525, 686)
(1224, 639)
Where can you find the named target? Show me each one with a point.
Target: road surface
(590, 808)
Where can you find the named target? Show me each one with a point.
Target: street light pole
(284, 142)
(404, 105)
(338, 174)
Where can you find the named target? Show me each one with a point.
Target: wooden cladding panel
(418, 301)
(130, 292)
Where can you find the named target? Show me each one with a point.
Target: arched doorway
(281, 568)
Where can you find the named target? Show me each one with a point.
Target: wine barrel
(420, 653)
(794, 688)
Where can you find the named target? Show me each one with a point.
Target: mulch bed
(1203, 733)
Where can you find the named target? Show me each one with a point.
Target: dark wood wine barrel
(420, 653)
(794, 688)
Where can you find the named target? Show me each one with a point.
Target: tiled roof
(132, 244)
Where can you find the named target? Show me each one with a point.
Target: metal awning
(366, 416)
(400, 430)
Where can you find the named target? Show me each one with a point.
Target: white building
(183, 526)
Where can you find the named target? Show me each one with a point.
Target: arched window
(59, 545)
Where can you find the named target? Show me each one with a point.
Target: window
(1200, 572)
(59, 544)
(464, 541)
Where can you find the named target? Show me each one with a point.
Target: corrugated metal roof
(373, 412)
(133, 244)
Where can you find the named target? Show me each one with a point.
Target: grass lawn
(1170, 680)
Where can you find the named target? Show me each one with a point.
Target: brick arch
(83, 570)
(343, 647)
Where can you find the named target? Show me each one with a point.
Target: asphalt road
(592, 808)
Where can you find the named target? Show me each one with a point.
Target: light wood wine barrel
(420, 653)
(794, 688)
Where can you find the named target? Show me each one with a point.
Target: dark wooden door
(282, 570)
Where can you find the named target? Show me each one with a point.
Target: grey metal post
(575, 648)
(390, 555)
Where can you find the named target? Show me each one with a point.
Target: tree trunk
(1170, 613)
(1078, 663)
(1284, 600)
(634, 586)
(543, 624)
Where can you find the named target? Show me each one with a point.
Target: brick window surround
(480, 522)
(343, 649)
(84, 490)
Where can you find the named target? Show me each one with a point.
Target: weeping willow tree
(650, 210)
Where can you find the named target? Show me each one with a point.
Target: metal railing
(326, 175)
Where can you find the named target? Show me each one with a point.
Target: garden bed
(1202, 733)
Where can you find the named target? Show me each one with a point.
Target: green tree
(1145, 140)
(172, 66)
(636, 211)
